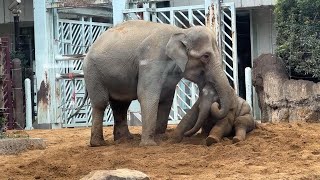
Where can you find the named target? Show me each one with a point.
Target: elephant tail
(79, 108)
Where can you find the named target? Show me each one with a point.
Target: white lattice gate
(228, 42)
(184, 16)
(74, 38)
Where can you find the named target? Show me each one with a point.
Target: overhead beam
(97, 12)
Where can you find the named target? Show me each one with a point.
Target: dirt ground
(276, 151)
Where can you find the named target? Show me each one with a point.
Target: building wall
(251, 3)
(6, 16)
(238, 3)
(263, 31)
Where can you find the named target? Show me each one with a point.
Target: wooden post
(18, 93)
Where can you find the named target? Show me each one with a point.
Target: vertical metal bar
(172, 21)
(91, 30)
(207, 6)
(82, 35)
(118, 6)
(16, 32)
(146, 14)
(234, 47)
(190, 17)
(154, 14)
(193, 94)
(175, 107)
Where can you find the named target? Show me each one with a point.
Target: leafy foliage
(298, 38)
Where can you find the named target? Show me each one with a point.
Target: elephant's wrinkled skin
(145, 61)
(238, 119)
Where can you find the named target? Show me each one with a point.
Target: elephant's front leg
(164, 110)
(221, 129)
(151, 78)
(149, 110)
(187, 122)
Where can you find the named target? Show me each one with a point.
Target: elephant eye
(205, 58)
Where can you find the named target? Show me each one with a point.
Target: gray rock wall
(280, 98)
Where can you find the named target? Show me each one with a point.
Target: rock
(281, 98)
(17, 145)
(119, 174)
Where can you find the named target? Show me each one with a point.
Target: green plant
(298, 26)
(2, 124)
(2, 121)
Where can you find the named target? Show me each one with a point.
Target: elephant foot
(212, 140)
(161, 131)
(175, 137)
(96, 142)
(236, 139)
(148, 142)
(120, 136)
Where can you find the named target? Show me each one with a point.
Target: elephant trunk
(216, 75)
(203, 115)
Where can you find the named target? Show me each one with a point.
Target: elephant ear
(176, 49)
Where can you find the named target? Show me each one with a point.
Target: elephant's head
(207, 97)
(196, 53)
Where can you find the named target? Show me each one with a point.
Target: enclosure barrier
(74, 37)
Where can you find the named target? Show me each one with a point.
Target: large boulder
(17, 145)
(119, 174)
(281, 98)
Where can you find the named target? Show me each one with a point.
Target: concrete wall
(26, 7)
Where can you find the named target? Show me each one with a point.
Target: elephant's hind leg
(119, 109)
(242, 125)
(97, 127)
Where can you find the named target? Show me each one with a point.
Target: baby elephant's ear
(176, 50)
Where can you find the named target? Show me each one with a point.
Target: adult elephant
(145, 61)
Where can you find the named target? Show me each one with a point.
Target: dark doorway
(244, 48)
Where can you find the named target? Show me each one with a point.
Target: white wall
(264, 32)
(6, 16)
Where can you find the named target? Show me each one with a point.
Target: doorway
(243, 48)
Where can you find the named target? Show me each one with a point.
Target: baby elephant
(239, 118)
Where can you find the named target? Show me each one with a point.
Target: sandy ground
(276, 151)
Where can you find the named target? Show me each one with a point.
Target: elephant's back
(127, 36)
(118, 46)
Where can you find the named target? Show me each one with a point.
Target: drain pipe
(27, 85)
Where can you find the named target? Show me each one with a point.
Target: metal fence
(75, 36)
(6, 82)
